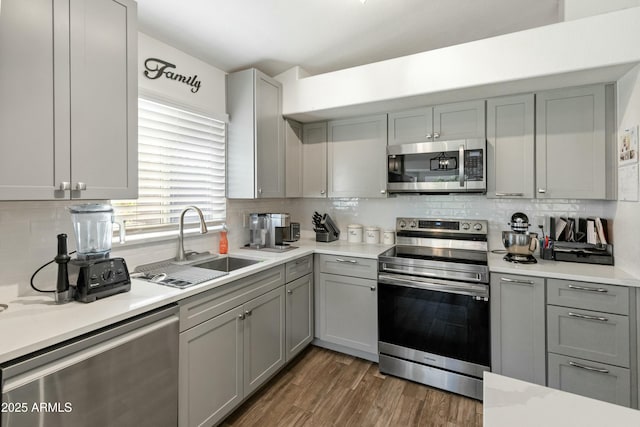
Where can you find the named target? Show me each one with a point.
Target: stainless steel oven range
(433, 304)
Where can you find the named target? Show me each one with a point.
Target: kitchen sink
(227, 263)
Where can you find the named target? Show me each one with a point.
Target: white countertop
(509, 402)
(36, 322)
(605, 274)
(33, 323)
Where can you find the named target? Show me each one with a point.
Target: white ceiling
(328, 35)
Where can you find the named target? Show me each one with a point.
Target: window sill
(162, 236)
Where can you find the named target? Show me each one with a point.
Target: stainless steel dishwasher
(124, 375)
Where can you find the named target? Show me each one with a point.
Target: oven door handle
(452, 288)
(463, 275)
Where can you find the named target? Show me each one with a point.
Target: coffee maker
(93, 274)
(270, 231)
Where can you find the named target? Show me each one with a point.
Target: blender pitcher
(92, 225)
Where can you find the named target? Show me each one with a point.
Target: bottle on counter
(224, 243)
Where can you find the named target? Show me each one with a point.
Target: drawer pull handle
(509, 194)
(588, 368)
(584, 288)
(584, 316)
(351, 261)
(524, 282)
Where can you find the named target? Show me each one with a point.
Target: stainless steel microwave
(438, 167)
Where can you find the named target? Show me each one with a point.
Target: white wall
(577, 9)
(209, 98)
(627, 214)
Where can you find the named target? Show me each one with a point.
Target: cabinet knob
(241, 316)
(65, 185)
(383, 191)
(259, 190)
(373, 288)
(289, 291)
(247, 312)
(428, 136)
(436, 135)
(542, 190)
(322, 191)
(81, 186)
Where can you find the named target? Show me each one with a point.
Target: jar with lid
(389, 237)
(354, 233)
(372, 235)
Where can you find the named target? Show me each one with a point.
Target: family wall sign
(156, 68)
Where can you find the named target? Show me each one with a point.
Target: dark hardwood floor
(325, 388)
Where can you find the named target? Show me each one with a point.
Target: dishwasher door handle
(12, 383)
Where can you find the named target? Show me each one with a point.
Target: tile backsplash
(29, 229)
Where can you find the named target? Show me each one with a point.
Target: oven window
(450, 325)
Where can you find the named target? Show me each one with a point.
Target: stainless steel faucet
(180, 256)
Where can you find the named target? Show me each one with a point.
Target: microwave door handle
(461, 164)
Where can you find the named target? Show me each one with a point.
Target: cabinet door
(595, 380)
(34, 48)
(211, 363)
(591, 335)
(270, 167)
(358, 157)
(411, 126)
(293, 159)
(571, 148)
(299, 315)
(104, 108)
(461, 120)
(314, 160)
(510, 147)
(264, 339)
(518, 327)
(349, 312)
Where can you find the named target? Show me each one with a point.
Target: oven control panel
(464, 226)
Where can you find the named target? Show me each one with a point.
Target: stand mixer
(519, 243)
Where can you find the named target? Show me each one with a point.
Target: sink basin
(226, 264)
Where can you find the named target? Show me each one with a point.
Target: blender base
(99, 278)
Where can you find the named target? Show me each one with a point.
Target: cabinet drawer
(298, 268)
(590, 296)
(591, 335)
(202, 307)
(349, 266)
(595, 380)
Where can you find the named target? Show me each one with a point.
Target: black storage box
(583, 252)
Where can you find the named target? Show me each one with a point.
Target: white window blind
(181, 162)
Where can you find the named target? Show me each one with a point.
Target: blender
(94, 273)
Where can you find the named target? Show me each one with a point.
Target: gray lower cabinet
(211, 369)
(232, 340)
(591, 340)
(592, 379)
(59, 142)
(347, 305)
(518, 327)
(299, 326)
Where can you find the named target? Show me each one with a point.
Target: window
(181, 162)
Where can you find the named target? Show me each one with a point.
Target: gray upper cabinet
(357, 157)
(314, 160)
(518, 327)
(74, 128)
(443, 122)
(510, 147)
(574, 143)
(255, 141)
(293, 158)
